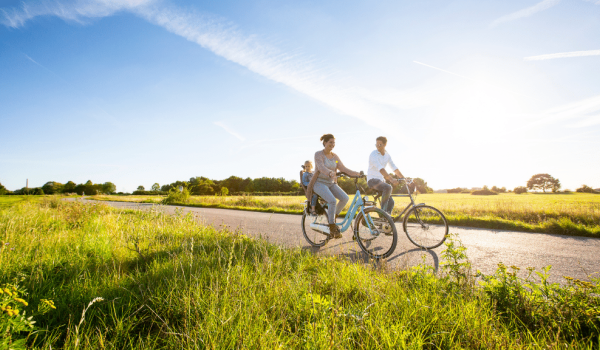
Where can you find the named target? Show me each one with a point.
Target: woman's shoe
(334, 231)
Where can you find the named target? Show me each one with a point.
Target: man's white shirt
(378, 162)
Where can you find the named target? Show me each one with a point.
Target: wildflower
(8, 292)
(21, 301)
(514, 268)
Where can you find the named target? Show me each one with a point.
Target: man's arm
(388, 177)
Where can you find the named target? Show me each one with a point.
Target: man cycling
(377, 174)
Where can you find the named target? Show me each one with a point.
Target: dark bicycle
(424, 225)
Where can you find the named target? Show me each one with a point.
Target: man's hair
(382, 139)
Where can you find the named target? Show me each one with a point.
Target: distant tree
(52, 187)
(109, 187)
(141, 188)
(520, 189)
(224, 191)
(543, 182)
(422, 185)
(69, 187)
(3, 190)
(38, 192)
(156, 187)
(585, 189)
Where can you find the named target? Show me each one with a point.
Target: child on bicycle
(306, 177)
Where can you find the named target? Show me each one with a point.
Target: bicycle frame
(357, 203)
(410, 205)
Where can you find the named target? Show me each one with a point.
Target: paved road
(569, 256)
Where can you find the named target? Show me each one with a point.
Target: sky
(136, 92)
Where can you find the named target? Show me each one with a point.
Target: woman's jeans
(387, 202)
(329, 192)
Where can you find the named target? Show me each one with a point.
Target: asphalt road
(569, 256)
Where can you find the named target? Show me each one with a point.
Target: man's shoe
(334, 231)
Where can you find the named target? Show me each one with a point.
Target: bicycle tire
(425, 226)
(314, 238)
(382, 245)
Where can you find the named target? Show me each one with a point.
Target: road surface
(569, 256)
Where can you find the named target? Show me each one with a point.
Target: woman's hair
(325, 138)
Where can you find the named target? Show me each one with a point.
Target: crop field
(575, 214)
(94, 277)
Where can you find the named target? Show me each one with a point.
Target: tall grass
(575, 214)
(167, 282)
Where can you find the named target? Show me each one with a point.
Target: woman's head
(308, 165)
(328, 141)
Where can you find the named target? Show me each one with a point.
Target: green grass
(167, 282)
(9, 201)
(575, 214)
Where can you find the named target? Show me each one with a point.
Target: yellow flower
(21, 301)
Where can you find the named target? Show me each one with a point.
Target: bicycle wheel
(314, 237)
(378, 241)
(425, 226)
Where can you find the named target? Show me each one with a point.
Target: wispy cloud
(467, 78)
(68, 10)
(230, 131)
(579, 114)
(526, 12)
(375, 107)
(563, 55)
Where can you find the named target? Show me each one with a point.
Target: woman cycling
(324, 183)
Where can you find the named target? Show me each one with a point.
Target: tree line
(53, 187)
(203, 186)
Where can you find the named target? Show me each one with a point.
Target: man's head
(380, 143)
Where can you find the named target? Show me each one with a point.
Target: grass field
(576, 214)
(144, 280)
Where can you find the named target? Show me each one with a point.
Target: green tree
(156, 187)
(69, 187)
(422, 185)
(543, 182)
(109, 187)
(3, 190)
(224, 191)
(52, 187)
(141, 188)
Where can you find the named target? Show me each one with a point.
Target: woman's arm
(342, 168)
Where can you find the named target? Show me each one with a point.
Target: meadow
(576, 214)
(92, 276)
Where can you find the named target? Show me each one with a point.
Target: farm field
(576, 214)
(98, 277)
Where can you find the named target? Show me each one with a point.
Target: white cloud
(563, 55)
(376, 107)
(230, 131)
(68, 10)
(526, 12)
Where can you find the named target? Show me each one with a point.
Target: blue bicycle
(374, 229)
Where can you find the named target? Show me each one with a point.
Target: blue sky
(469, 93)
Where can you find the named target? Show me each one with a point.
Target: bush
(456, 190)
(585, 189)
(484, 192)
(175, 196)
(520, 189)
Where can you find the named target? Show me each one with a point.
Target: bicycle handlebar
(340, 174)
